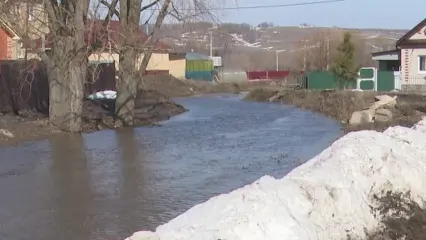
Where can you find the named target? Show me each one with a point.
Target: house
(409, 58)
(10, 42)
(28, 18)
(106, 46)
(177, 65)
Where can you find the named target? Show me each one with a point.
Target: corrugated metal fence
(199, 70)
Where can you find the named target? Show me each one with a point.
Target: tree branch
(111, 11)
(111, 8)
(149, 5)
(151, 43)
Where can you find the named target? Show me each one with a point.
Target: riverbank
(366, 185)
(153, 105)
(340, 105)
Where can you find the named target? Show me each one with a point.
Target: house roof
(196, 56)
(390, 52)
(8, 29)
(406, 38)
(95, 34)
(177, 56)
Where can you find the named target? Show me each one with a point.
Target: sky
(394, 14)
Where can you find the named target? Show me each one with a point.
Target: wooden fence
(24, 85)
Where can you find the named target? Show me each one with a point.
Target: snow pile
(329, 197)
(108, 94)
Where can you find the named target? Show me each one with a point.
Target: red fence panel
(156, 72)
(267, 75)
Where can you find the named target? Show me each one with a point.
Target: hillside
(244, 46)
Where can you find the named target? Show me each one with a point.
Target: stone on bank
(329, 197)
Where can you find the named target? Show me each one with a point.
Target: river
(108, 184)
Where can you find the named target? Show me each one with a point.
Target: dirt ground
(400, 217)
(153, 105)
(341, 104)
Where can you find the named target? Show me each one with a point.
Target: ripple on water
(108, 184)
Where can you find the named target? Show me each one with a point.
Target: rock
(383, 115)
(276, 97)
(6, 133)
(361, 117)
(383, 101)
(143, 235)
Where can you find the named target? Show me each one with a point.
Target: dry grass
(174, 87)
(341, 104)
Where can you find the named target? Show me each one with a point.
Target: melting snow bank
(329, 197)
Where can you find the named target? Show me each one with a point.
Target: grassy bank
(341, 104)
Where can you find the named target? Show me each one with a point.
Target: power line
(259, 6)
(278, 5)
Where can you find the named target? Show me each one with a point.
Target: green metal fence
(326, 80)
(385, 81)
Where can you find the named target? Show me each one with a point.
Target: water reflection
(108, 184)
(132, 187)
(71, 198)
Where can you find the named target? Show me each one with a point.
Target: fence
(325, 80)
(156, 72)
(100, 77)
(24, 85)
(199, 70)
(267, 75)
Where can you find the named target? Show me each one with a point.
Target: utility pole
(276, 57)
(304, 54)
(328, 53)
(211, 44)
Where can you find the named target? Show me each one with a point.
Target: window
(422, 64)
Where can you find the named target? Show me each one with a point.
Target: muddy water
(109, 184)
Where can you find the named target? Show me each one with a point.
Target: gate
(367, 79)
(382, 81)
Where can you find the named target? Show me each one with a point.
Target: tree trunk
(66, 77)
(67, 67)
(126, 88)
(126, 84)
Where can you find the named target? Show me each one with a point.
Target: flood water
(108, 184)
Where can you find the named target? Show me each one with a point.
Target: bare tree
(316, 52)
(67, 64)
(67, 61)
(131, 49)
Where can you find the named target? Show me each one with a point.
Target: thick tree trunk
(67, 67)
(66, 77)
(126, 88)
(126, 84)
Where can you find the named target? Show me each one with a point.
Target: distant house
(10, 42)
(28, 18)
(106, 46)
(177, 65)
(409, 58)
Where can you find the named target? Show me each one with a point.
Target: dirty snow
(328, 197)
(108, 94)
